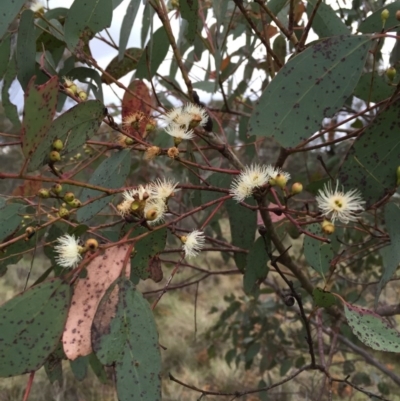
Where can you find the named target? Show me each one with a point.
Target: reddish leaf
(28, 188)
(101, 273)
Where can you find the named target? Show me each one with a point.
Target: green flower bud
(327, 227)
(57, 188)
(391, 73)
(54, 156)
(75, 203)
(69, 197)
(58, 145)
(43, 193)
(384, 15)
(82, 95)
(63, 212)
(297, 188)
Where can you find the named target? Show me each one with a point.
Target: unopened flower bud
(129, 141)
(384, 15)
(82, 95)
(91, 244)
(152, 152)
(43, 193)
(29, 231)
(70, 91)
(297, 188)
(54, 156)
(56, 188)
(151, 215)
(177, 141)
(69, 197)
(327, 227)
(391, 73)
(173, 153)
(398, 15)
(63, 212)
(281, 181)
(75, 203)
(58, 145)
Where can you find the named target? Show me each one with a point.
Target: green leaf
(79, 367)
(53, 365)
(373, 23)
(9, 220)
(318, 254)
(118, 68)
(87, 75)
(189, 11)
(243, 223)
(322, 298)
(371, 163)
(111, 173)
(40, 107)
(326, 22)
(310, 87)
(126, 27)
(124, 334)
(373, 87)
(97, 368)
(145, 249)
(206, 86)
(26, 48)
(73, 127)
(31, 325)
(153, 55)
(372, 329)
(9, 10)
(94, 15)
(10, 109)
(256, 267)
(390, 254)
(5, 51)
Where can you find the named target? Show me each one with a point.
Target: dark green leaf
(373, 87)
(189, 10)
(40, 107)
(124, 334)
(118, 68)
(326, 22)
(318, 254)
(256, 267)
(110, 174)
(390, 254)
(372, 329)
(9, 220)
(206, 86)
(26, 53)
(73, 127)
(9, 10)
(371, 162)
(79, 367)
(145, 249)
(373, 23)
(126, 27)
(53, 365)
(4, 54)
(310, 87)
(153, 55)
(10, 109)
(97, 368)
(94, 15)
(31, 325)
(275, 6)
(322, 298)
(243, 223)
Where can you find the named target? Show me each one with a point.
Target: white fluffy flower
(68, 251)
(198, 116)
(250, 178)
(177, 131)
(162, 188)
(140, 193)
(154, 211)
(37, 6)
(193, 243)
(336, 204)
(274, 172)
(177, 117)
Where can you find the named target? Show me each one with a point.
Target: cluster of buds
(68, 198)
(147, 203)
(57, 147)
(74, 90)
(182, 121)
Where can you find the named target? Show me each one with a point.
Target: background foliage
(273, 307)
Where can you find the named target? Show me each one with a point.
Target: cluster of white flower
(340, 205)
(69, 251)
(193, 243)
(182, 120)
(148, 201)
(256, 176)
